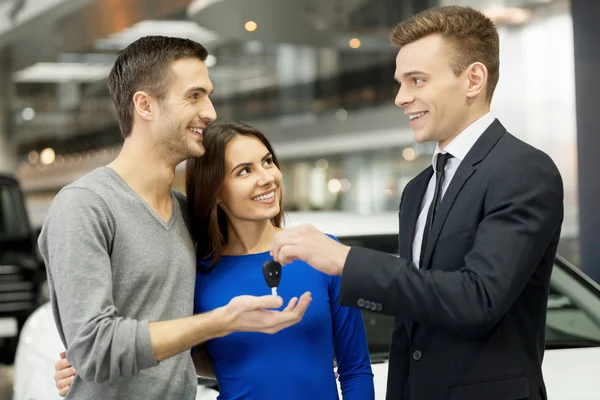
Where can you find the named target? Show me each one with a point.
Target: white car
(572, 328)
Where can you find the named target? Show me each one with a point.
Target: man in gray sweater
(120, 260)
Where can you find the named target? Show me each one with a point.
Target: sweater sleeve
(75, 243)
(350, 347)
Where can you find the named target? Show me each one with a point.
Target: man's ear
(477, 76)
(142, 103)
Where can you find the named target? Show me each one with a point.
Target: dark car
(21, 268)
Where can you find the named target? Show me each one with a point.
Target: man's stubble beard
(174, 146)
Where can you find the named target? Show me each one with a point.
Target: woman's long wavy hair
(204, 178)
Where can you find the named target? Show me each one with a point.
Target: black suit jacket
(471, 323)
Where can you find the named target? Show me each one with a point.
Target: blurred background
(316, 76)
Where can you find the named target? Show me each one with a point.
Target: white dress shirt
(458, 148)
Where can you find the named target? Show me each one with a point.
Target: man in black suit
(479, 229)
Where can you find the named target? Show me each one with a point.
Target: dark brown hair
(144, 65)
(471, 35)
(204, 178)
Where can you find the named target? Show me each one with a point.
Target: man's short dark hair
(144, 65)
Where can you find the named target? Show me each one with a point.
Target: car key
(272, 274)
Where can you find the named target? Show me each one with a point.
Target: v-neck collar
(175, 204)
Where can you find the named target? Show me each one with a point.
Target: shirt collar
(461, 144)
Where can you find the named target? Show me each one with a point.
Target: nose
(208, 113)
(403, 98)
(265, 178)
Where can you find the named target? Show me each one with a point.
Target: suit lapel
(409, 212)
(466, 169)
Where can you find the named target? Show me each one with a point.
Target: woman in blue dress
(235, 206)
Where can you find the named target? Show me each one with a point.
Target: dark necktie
(440, 165)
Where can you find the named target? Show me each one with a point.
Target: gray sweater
(114, 266)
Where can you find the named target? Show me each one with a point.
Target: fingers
(63, 392)
(292, 314)
(291, 304)
(64, 373)
(287, 254)
(283, 239)
(64, 384)
(303, 303)
(261, 302)
(63, 354)
(62, 364)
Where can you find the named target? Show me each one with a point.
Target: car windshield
(568, 325)
(13, 220)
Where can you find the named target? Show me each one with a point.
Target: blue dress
(295, 363)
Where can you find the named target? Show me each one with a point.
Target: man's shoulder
(94, 182)
(515, 152)
(94, 190)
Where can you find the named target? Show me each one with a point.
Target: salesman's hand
(64, 375)
(308, 244)
(255, 314)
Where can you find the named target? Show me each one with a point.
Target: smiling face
(435, 99)
(251, 190)
(186, 109)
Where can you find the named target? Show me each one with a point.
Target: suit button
(373, 306)
(417, 355)
(367, 304)
(379, 307)
(361, 302)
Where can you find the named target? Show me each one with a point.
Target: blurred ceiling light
(183, 29)
(322, 164)
(28, 114)
(250, 26)
(210, 61)
(508, 15)
(341, 114)
(334, 185)
(33, 157)
(47, 156)
(409, 154)
(62, 72)
(345, 185)
(354, 43)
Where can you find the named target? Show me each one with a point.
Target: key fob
(272, 273)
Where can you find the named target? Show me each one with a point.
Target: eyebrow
(411, 73)
(200, 89)
(248, 164)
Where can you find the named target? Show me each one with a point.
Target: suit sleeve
(523, 212)
(101, 345)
